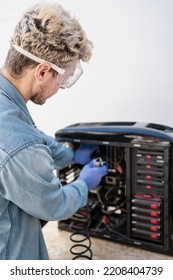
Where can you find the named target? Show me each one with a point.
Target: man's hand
(84, 153)
(92, 175)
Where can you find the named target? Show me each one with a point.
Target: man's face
(52, 83)
(45, 90)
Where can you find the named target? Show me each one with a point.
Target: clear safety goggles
(69, 76)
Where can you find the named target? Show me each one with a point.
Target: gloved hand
(84, 153)
(93, 175)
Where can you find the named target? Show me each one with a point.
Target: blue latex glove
(93, 175)
(84, 153)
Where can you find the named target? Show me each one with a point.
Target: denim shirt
(29, 189)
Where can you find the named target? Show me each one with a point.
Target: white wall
(130, 76)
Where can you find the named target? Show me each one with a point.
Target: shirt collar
(14, 95)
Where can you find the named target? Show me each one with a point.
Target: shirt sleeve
(60, 154)
(28, 180)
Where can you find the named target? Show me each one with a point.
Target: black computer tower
(133, 204)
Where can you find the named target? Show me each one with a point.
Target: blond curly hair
(51, 33)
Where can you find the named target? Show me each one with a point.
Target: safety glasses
(69, 76)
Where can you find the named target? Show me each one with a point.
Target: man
(45, 55)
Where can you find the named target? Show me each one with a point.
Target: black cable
(80, 225)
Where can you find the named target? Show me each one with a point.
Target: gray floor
(58, 244)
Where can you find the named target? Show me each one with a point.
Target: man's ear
(41, 71)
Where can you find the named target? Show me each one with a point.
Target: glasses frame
(69, 81)
(38, 59)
